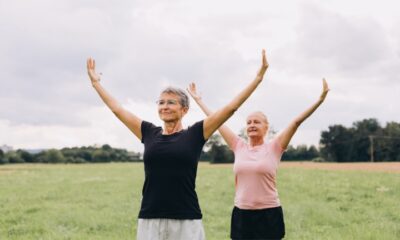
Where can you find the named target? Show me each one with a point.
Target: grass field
(102, 201)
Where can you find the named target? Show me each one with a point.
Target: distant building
(6, 148)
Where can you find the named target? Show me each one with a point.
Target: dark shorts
(257, 224)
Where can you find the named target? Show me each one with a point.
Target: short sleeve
(146, 129)
(276, 146)
(197, 131)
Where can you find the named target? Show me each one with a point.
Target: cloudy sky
(141, 46)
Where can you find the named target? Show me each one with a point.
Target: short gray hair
(183, 97)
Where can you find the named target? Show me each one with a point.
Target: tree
(301, 152)
(99, 155)
(218, 152)
(3, 159)
(361, 132)
(26, 156)
(364, 138)
(52, 156)
(106, 147)
(336, 144)
(221, 154)
(13, 157)
(387, 146)
(312, 152)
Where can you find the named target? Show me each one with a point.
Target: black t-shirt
(170, 166)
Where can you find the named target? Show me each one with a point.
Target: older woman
(257, 213)
(170, 208)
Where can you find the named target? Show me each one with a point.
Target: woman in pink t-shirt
(257, 213)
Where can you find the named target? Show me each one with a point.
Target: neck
(172, 127)
(255, 141)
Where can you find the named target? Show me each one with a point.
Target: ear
(185, 110)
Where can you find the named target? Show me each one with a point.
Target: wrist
(95, 82)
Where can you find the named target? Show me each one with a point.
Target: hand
(264, 65)
(192, 91)
(325, 90)
(91, 65)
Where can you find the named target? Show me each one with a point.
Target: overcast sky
(141, 46)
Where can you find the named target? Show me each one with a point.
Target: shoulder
(198, 124)
(196, 130)
(148, 125)
(275, 145)
(148, 129)
(238, 143)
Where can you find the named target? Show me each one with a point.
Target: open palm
(193, 92)
(91, 68)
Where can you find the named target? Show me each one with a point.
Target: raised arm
(287, 134)
(129, 119)
(228, 135)
(216, 119)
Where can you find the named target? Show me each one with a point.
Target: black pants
(260, 224)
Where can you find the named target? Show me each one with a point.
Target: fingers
(263, 56)
(189, 89)
(325, 85)
(192, 87)
(264, 59)
(192, 91)
(90, 63)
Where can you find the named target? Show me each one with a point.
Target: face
(169, 108)
(256, 126)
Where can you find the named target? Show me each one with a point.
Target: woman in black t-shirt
(170, 208)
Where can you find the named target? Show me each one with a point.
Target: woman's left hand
(264, 65)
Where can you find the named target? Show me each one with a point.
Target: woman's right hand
(91, 68)
(193, 92)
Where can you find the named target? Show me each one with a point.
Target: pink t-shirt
(255, 174)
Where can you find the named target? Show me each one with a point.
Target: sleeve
(277, 149)
(198, 132)
(146, 129)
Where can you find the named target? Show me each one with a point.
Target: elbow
(296, 123)
(231, 110)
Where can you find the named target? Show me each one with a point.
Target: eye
(171, 102)
(160, 102)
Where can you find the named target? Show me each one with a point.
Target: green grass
(102, 201)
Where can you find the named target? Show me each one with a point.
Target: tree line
(89, 154)
(365, 140)
(219, 152)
